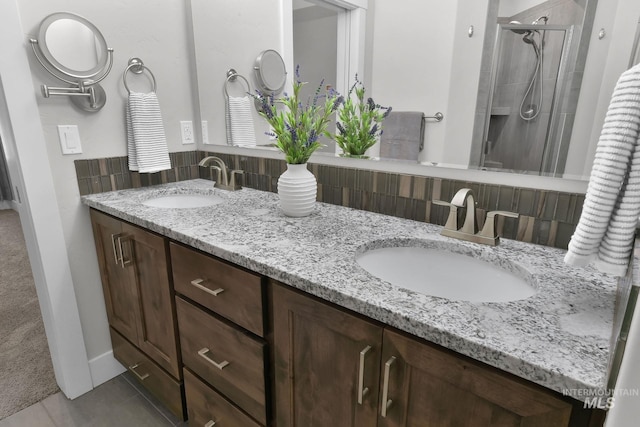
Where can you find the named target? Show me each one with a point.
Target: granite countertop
(558, 338)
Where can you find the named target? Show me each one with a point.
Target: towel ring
(231, 77)
(137, 66)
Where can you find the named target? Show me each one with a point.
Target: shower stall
(528, 121)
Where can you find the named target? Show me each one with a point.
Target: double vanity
(235, 315)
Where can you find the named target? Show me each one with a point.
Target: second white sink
(442, 273)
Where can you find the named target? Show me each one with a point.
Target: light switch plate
(69, 139)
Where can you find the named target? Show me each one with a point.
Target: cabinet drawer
(151, 376)
(206, 406)
(200, 277)
(224, 356)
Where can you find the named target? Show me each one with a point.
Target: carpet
(26, 371)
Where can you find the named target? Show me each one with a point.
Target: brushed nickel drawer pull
(362, 390)
(203, 353)
(197, 284)
(113, 245)
(386, 402)
(211, 423)
(123, 262)
(140, 377)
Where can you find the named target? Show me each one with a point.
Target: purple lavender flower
(317, 94)
(298, 73)
(341, 128)
(371, 104)
(337, 103)
(386, 113)
(374, 129)
(313, 137)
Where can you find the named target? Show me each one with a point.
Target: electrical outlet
(205, 132)
(186, 129)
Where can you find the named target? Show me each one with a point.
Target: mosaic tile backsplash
(546, 217)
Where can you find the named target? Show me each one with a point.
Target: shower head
(528, 38)
(518, 31)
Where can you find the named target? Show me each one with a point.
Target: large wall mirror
(507, 74)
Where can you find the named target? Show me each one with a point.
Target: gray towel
(402, 135)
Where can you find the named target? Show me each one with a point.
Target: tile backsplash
(546, 217)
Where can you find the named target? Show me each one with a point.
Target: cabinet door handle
(362, 390)
(140, 377)
(197, 284)
(113, 245)
(124, 262)
(386, 402)
(203, 353)
(211, 423)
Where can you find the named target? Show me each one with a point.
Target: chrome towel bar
(136, 66)
(437, 117)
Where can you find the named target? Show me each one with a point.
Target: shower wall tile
(546, 217)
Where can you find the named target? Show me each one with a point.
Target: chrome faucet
(469, 229)
(225, 180)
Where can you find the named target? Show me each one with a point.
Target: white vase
(297, 188)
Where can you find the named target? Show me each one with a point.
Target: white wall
(158, 35)
(412, 60)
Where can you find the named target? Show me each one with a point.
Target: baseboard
(5, 204)
(104, 367)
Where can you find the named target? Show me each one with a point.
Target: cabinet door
(119, 294)
(427, 386)
(321, 353)
(149, 272)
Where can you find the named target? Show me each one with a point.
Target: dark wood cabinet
(324, 357)
(221, 321)
(296, 361)
(134, 267)
(326, 363)
(427, 386)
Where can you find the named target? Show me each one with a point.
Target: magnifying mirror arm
(84, 88)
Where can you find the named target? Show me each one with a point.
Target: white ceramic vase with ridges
(297, 188)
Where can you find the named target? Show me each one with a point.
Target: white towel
(240, 121)
(146, 141)
(606, 229)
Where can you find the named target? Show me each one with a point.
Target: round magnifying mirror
(73, 45)
(270, 72)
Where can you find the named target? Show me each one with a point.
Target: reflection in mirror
(316, 56)
(430, 64)
(73, 44)
(538, 61)
(270, 72)
(524, 109)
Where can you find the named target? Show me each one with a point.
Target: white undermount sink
(444, 273)
(183, 201)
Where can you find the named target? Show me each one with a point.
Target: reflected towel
(240, 122)
(402, 135)
(606, 229)
(146, 141)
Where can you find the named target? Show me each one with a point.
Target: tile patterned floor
(119, 402)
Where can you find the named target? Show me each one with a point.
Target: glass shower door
(527, 118)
